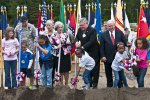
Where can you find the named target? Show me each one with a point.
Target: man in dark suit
(108, 48)
(88, 41)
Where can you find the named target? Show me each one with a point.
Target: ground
(65, 93)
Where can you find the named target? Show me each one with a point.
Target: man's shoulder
(31, 25)
(118, 32)
(105, 32)
(18, 26)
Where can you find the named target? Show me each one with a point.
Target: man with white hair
(108, 46)
(88, 38)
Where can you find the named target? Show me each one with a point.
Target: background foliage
(132, 8)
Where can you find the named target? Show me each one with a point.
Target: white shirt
(113, 32)
(87, 62)
(117, 60)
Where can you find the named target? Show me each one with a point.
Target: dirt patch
(65, 93)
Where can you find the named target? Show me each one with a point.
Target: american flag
(44, 15)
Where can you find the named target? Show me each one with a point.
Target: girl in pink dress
(142, 59)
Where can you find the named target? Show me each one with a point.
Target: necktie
(112, 39)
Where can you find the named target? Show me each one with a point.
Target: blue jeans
(140, 79)
(10, 66)
(46, 75)
(86, 76)
(117, 78)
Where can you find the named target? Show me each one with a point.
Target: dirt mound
(65, 93)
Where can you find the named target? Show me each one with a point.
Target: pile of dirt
(65, 93)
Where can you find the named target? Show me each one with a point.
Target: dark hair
(24, 18)
(119, 43)
(80, 49)
(24, 42)
(9, 29)
(144, 41)
(43, 37)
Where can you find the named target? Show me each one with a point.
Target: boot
(94, 85)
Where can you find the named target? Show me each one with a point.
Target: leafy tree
(132, 8)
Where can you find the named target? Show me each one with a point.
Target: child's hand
(132, 50)
(37, 45)
(78, 44)
(8, 54)
(123, 61)
(126, 71)
(138, 60)
(12, 53)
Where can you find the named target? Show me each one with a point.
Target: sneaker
(6, 88)
(14, 87)
(87, 87)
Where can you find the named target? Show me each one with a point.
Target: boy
(26, 63)
(87, 62)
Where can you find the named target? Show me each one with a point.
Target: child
(46, 61)
(117, 65)
(142, 61)
(26, 62)
(87, 62)
(10, 47)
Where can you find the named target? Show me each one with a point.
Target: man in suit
(108, 48)
(88, 41)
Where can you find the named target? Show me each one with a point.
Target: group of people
(55, 54)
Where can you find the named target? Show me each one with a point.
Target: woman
(49, 28)
(61, 40)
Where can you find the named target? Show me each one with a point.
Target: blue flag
(92, 17)
(147, 15)
(3, 22)
(98, 21)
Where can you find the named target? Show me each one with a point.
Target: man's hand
(78, 44)
(103, 59)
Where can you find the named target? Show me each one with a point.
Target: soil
(65, 93)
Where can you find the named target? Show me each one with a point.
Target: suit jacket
(107, 49)
(89, 42)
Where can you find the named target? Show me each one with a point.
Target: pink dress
(142, 54)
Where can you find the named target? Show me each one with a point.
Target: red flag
(72, 27)
(39, 20)
(51, 14)
(142, 25)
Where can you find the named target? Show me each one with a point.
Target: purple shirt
(8, 46)
(142, 54)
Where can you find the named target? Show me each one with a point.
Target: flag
(44, 15)
(42, 18)
(48, 14)
(63, 15)
(3, 22)
(39, 19)
(98, 21)
(89, 14)
(119, 19)
(51, 13)
(142, 25)
(72, 27)
(112, 12)
(126, 22)
(92, 18)
(147, 14)
(72, 22)
(143, 28)
(78, 16)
